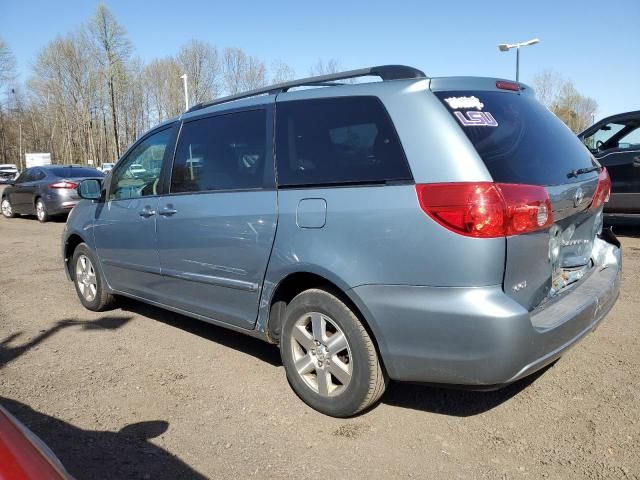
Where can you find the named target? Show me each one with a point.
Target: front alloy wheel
(86, 280)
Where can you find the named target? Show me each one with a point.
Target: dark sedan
(45, 191)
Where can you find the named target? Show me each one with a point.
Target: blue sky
(593, 43)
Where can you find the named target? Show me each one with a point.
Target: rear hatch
(69, 177)
(522, 142)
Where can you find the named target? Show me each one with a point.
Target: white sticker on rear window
(476, 119)
(464, 103)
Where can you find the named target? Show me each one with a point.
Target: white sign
(37, 159)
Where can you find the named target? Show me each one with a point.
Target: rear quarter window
(519, 139)
(337, 141)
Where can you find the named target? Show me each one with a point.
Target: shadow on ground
(9, 351)
(238, 341)
(427, 398)
(453, 402)
(95, 454)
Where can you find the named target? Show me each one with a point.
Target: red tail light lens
(603, 190)
(486, 209)
(64, 184)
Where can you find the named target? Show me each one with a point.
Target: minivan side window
(137, 174)
(222, 152)
(333, 141)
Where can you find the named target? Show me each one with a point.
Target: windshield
(74, 172)
(519, 140)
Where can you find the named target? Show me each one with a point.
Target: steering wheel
(599, 144)
(155, 186)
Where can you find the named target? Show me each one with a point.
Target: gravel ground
(141, 393)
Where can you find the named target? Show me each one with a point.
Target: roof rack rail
(385, 72)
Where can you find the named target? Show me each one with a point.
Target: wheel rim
(321, 354)
(86, 278)
(40, 209)
(6, 208)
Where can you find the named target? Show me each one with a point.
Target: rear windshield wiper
(582, 171)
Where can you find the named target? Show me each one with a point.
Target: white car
(106, 167)
(8, 172)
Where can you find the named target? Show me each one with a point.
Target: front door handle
(147, 212)
(168, 211)
(636, 161)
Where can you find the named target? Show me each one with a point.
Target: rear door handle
(147, 212)
(636, 161)
(168, 211)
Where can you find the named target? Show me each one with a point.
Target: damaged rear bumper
(479, 336)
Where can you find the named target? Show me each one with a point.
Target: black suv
(615, 142)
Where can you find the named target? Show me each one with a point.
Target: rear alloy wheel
(7, 209)
(328, 355)
(88, 280)
(41, 211)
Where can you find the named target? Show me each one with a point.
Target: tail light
(506, 85)
(486, 209)
(64, 184)
(603, 190)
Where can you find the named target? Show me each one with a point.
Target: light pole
(505, 47)
(186, 92)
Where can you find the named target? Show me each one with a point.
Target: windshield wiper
(582, 171)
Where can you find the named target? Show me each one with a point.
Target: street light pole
(186, 91)
(505, 47)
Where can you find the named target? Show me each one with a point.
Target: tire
(7, 209)
(88, 280)
(353, 375)
(41, 211)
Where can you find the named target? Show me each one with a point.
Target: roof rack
(385, 72)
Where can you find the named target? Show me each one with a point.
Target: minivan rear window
(519, 140)
(337, 141)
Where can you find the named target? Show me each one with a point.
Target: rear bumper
(479, 336)
(59, 202)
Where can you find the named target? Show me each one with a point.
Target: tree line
(562, 97)
(88, 96)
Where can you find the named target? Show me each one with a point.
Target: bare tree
(547, 85)
(7, 64)
(324, 68)
(573, 108)
(564, 100)
(164, 87)
(7, 74)
(281, 72)
(241, 71)
(201, 62)
(113, 50)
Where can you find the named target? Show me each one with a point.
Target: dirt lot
(140, 393)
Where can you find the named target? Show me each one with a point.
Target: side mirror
(90, 189)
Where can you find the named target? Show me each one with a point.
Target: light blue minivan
(439, 230)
